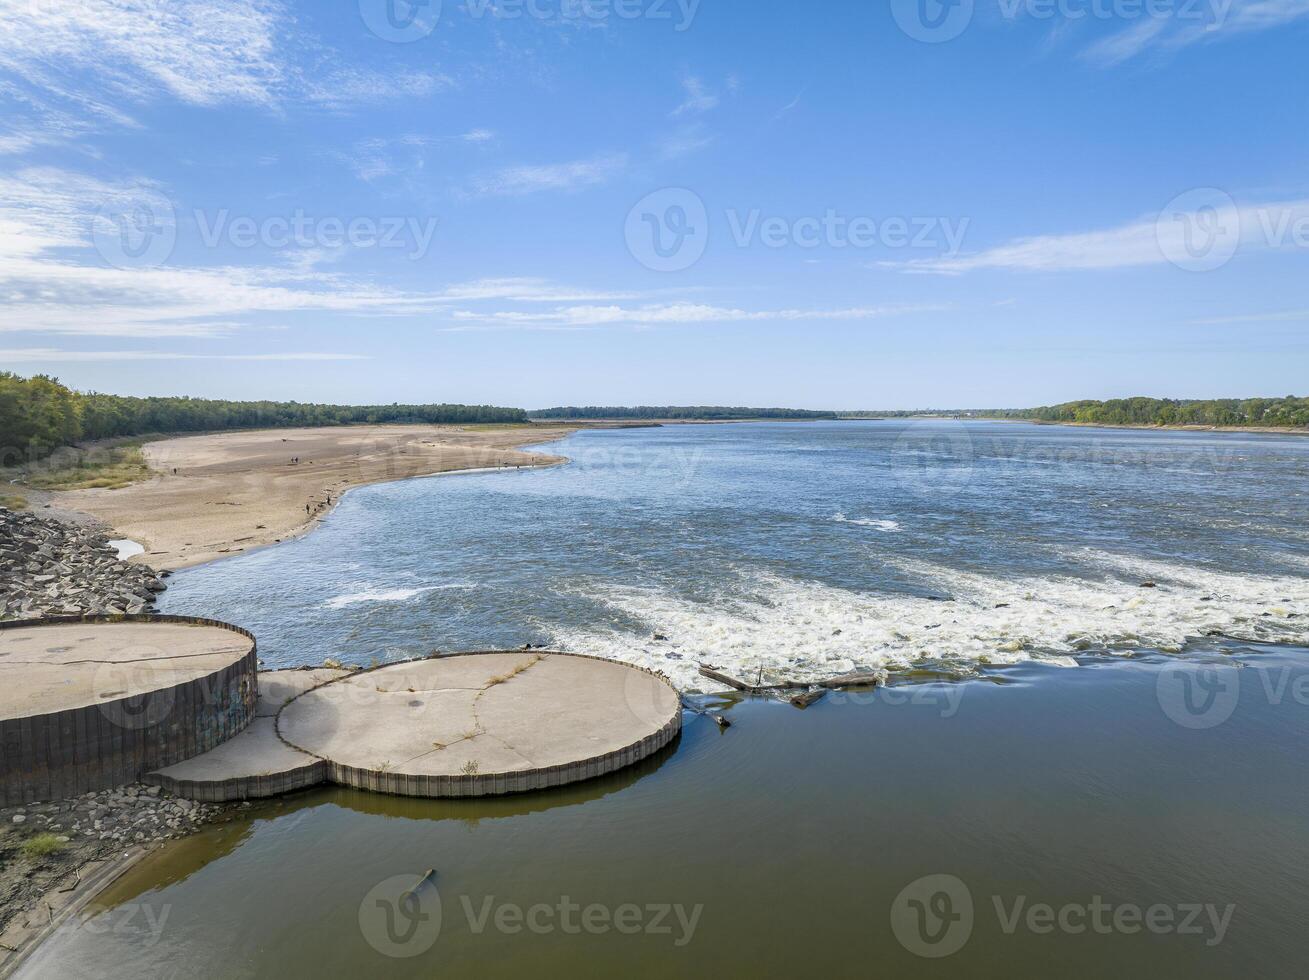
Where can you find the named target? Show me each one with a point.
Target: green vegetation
(1273, 412)
(694, 412)
(101, 469)
(41, 845)
(12, 501)
(38, 415)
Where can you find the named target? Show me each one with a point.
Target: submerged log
(716, 675)
(803, 701)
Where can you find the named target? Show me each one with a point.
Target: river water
(1112, 781)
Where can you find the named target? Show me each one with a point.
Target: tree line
(38, 415)
(705, 413)
(1272, 412)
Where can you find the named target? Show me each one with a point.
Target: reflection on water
(1150, 783)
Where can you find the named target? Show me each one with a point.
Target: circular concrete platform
(483, 724)
(90, 703)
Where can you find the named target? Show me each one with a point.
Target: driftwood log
(808, 692)
(859, 678)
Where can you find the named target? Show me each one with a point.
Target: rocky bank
(49, 568)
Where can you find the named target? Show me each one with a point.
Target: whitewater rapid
(805, 630)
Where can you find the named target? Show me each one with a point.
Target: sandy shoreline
(223, 494)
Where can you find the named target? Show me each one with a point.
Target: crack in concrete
(136, 660)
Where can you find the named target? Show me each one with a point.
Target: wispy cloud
(696, 97)
(205, 52)
(533, 179)
(348, 87)
(1143, 242)
(671, 314)
(684, 142)
(67, 68)
(790, 106)
(52, 281)
(1126, 44)
(1184, 25)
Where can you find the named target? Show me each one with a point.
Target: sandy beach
(218, 495)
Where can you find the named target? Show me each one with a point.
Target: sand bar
(222, 494)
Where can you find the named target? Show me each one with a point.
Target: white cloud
(1190, 24)
(348, 87)
(53, 282)
(204, 51)
(1144, 242)
(684, 142)
(572, 176)
(790, 106)
(528, 290)
(1126, 44)
(670, 314)
(696, 98)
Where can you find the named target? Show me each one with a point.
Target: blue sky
(851, 205)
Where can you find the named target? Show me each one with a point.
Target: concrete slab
(477, 724)
(277, 687)
(256, 763)
(60, 667)
(95, 702)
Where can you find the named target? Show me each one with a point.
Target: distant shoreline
(1271, 430)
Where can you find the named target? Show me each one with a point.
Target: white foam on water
(803, 630)
(881, 525)
(385, 595)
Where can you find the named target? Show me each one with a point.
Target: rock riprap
(49, 568)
